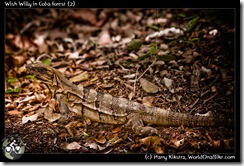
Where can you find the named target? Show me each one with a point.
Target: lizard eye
(45, 71)
(42, 70)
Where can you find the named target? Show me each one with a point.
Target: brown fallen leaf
(19, 60)
(52, 104)
(15, 113)
(150, 142)
(148, 86)
(73, 55)
(27, 99)
(29, 114)
(92, 145)
(195, 144)
(10, 105)
(74, 124)
(159, 150)
(71, 146)
(229, 143)
(40, 41)
(104, 38)
(117, 129)
(50, 116)
(217, 143)
(147, 100)
(81, 77)
(109, 85)
(208, 71)
(192, 134)
(21, 69)
(178, 143)
(63, 135)
(97, 63)
(131, 95)
(69, 131)
(32, 118)
(168, 82)
(25, 43)
(88, 15)
(101, 140)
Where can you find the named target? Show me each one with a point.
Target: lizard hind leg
(138, 127)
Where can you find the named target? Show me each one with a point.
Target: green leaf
(153, 45)
(166, 58)
(195, 39)
(15, 90)
(30, 77)
(143, 56)
(95, 44)
(134, 45)
(9, 90)
(11, 80)
(153, 48)
(182, 15)
(190, 17)
(194, 42)
(46, 61)
(85, 135)
(192, 23)
(154, 27)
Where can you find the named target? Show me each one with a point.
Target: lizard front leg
(138, 127)
(64, 109)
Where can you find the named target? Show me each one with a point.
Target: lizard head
(41, 71)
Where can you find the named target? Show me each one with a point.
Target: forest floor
(185, 57)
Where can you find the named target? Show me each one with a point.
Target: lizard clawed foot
(138, 127)
(145, 131)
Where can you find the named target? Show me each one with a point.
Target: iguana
(105, 108)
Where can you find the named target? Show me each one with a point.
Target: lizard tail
(196, 120)
(153, 115)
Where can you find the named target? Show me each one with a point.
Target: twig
(136, 79)
(69, 40)
(146, 70)
(134, 87)
(26, 27)
(206, 100)
(43, 55)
